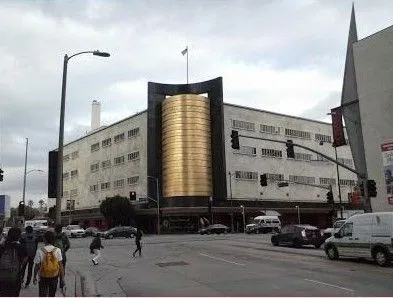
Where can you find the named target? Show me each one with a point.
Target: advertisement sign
(5, 208)
(337, 126)
(387, 161)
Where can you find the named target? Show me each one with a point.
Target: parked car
(298, 235)
(74, 231)
(91, 231)
(368, 235)
(214, 229)
(124, 231)
(264, 224)
(336, 226)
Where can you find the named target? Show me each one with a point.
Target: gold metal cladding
(186, 146)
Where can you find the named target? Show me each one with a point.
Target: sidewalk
(73, 289)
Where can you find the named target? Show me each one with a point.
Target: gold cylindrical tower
(186, 146)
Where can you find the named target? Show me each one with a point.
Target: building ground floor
(188, 219)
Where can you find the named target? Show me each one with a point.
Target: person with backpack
(62, 242)
(48, 262)
(12, 259)
(95, 248)
(29, 241)
(138, 238)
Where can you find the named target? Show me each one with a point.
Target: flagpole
(187, 64)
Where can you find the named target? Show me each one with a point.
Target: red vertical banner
(337, 126)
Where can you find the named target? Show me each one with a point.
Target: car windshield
(74, 227)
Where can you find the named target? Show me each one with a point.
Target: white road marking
(223, 260)
(330, 285)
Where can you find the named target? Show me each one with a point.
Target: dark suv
(127, 232)
(298, 235)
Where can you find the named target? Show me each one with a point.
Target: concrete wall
(374, 74)
(252, 189)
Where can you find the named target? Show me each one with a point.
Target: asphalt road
(225, 265)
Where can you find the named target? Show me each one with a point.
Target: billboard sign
(387, 161)
(5, 209)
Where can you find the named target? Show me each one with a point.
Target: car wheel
(317, 246)
(381, 257)
(331, 252)
(296, 243)
(275, 242)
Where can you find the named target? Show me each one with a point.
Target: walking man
(48, 261)
(29, 241)
(62, 242)
(95, 248)
(138, 238)
(12, 259)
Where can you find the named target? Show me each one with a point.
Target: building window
(94, 167)
(119, 138)
(303, 156)
(346, 161)
(105, 185)
(133, 156)
(118, 183)
(269, 129)
(243, 125)
(66, 157)
(132, 180)
(74, 154)
(321, 158)
(74, 173)
(95, 147)
(119, 160)
(246, 175)
(66, 176)
(302, 179)
(106, 164)
(64, 194)
(73, 192)
(327, 181)
(133, 132)
(323, 138)
(107, 142)
(297, 133)
(347, 182)
(275, 177)
(246, 150)
(271, 153)
(94, 187)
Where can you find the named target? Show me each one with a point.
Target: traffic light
(263, 180)
(132, 195)
(1, 174)
(290, 151)
(361, 186)
(21, 209)
(329, 198)
(235, 139)
(371, 188)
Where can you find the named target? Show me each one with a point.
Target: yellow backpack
(50, 264)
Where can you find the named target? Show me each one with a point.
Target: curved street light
(24, 182)
(59, 177)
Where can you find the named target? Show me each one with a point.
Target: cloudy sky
(285, 56)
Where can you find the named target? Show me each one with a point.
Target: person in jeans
(62, 242)
(138, 238)
(29, 241)
(48, 261)
(95, 248)
(12, 254)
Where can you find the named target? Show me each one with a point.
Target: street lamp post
(230, 191)
(298, 214)
(244, 219)
(24, 176)
(158, 203)
(61, 129)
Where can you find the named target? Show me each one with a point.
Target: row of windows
(247, 175)
(116, 184)
(74, 155)
(265, 152)
(117, 139)
(264, 128)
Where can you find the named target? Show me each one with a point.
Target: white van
(264, 224)
(368, 235)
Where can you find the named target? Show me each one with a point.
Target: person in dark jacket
(29, 241)
(95, 248)
(11, 287)
(62, 242)
(138, 238)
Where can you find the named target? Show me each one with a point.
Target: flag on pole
(185, 51)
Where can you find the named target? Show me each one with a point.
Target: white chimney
(95, 115)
